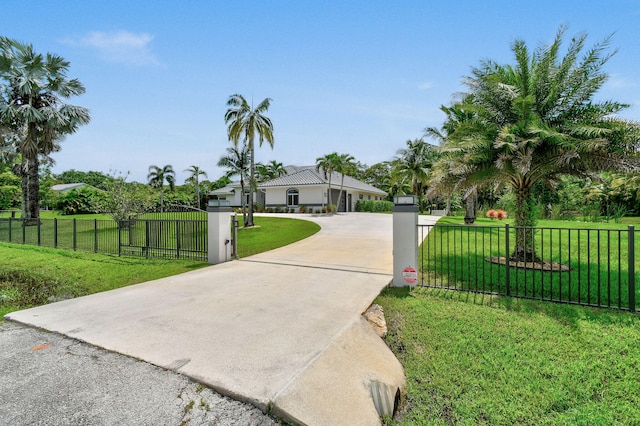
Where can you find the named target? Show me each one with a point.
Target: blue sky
(359, 77)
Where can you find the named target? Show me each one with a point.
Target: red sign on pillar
(409, 275)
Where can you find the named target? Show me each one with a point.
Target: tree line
(529, 137)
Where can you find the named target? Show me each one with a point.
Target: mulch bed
(539, 266)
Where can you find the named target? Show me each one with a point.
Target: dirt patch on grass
(543, 265)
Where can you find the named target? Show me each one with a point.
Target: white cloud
(425, 85)
(120, 46)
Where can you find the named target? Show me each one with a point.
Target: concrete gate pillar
(405, 241)
(219, 231)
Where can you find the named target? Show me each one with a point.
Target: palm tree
(194, 176)
(245, 123)
(345, 164)
(275, 169)
(271, 170)
(237, 164)
(328, 164)
(157, 176)
(32, 106)
(456, 158)
(537, 121)
(413, 165)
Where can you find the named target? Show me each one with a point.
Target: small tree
(124, 201)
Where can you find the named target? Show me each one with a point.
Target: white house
(303, 186)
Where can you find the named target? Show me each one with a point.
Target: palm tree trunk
(33, 191)
(198, 193)
(525, 242)
(244, 213)
(330, 206)
(249, 221)
(470, 208)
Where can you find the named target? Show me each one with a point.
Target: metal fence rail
(593, 267)
(169, 238)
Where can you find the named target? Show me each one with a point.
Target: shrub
(80, 201)
(496, 214)
(374, 206)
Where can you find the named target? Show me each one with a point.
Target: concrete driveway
(281, 330)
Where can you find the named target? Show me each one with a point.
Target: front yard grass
(478, 359)
(595, 258)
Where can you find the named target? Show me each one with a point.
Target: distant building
(303, 186)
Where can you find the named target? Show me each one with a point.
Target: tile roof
(62, 187)
(308, 175)
(229, 189)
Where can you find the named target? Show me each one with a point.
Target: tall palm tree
(33, 108)
(194, 176)
(413, 165)
(345, 164)
(237, 164)
(539, 122)
(328, 164)
(158, 175)
(245, 123)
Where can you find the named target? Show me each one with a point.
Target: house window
(292, 197)
(361, 197)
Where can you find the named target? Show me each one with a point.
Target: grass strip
(474, 359)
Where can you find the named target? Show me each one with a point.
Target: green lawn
(30, 275)
(478, 359)
(596, 255)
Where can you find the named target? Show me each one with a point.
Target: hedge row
(374, 206)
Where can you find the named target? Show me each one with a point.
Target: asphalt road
(49, 379)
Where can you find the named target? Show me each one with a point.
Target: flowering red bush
(496, 214)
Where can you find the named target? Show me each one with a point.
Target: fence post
(55, 232)
(632, 272)
(178, 239)
(234, 245)
(95, 235)
(146, 237)
(507, 277)
(405, 241)
(75, 235)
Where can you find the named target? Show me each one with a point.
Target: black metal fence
(593, 267)
(172, 237)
